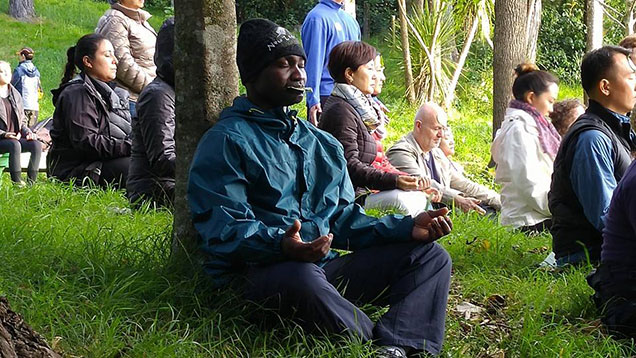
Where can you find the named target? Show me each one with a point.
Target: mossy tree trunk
(510, 48)
(206, 82)
(21, 9)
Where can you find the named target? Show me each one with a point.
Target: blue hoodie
(257, 171)
(325, 26)
(26, 79)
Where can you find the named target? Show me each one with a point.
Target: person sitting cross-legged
(351, 115)
(418, 153)
(593, 156)
(270, 195)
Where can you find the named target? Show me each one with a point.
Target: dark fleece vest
(570, 228)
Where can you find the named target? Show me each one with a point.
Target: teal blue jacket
(257, 171)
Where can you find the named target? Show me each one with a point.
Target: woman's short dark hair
(87, 45)
(563, 113)
(598, 63)
(531, 79)
(349, 54)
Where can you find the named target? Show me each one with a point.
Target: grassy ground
(96, 279)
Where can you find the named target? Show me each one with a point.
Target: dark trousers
(412, 278)
(537, 228)
(114, 172)
(14, 148)
(615, 297)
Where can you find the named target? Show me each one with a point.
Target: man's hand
(468, 204)
(296, 249)
(429, 226)
(31, 136)
(314, 112)
(434, 195)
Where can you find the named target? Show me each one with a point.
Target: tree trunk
(450, 96)
(510, 49)
(406, 53)
(17, 339)
(533, 24)
(629, 19)
(206, 82)
(594, 24)
(350, 7)
(366, 32)
(21, 9)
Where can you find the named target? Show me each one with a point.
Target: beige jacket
(134, 41)
(407, 156)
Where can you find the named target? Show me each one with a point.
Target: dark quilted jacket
(360, 149)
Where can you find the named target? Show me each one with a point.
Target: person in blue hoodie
(26, 79)
(270, 196)
(325, 26)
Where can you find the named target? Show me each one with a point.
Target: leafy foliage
(287, 13)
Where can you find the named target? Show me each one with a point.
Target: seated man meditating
(270, 195)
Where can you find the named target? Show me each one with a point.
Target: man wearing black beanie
(270, 196)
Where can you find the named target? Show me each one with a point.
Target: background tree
(514, 34)
(21, 9)
(206, 82)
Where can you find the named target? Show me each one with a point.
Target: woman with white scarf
(352, 116)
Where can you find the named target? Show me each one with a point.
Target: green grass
(97, 281)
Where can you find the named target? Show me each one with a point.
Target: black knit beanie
(261, 42)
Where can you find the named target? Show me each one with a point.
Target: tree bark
(21, 9)
(629, 19)
(17, 339)
(533, 24)
(206, 82)
(594, 24)
(350, 7)
(406, 53)
(510, 49)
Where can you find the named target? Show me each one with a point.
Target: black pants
(114, 172)
(537, 228)
(412, 278)
(14, 148)
(615, 297)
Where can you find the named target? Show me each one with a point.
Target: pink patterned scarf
(549, 138)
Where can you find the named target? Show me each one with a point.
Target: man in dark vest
(593, 156)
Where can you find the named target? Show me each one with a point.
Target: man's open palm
(296, 249)
(429, 226)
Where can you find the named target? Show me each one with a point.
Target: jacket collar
(332, 4)
(410, 138)
(279, 119)
(138, 15)
(617, 122)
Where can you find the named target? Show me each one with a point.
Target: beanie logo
(283, 36)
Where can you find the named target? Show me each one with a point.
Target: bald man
(418, 153)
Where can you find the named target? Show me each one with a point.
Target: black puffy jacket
(360, 149)
(90, 125)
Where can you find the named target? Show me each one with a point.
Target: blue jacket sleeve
(353, 229)
(592, 175)
(315, 43)
(217, 194)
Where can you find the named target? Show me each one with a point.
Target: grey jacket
(407, 156)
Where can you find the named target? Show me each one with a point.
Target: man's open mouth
(300, 89)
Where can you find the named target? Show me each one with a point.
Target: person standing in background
(325, 26)
(126, 26)
(26, 79)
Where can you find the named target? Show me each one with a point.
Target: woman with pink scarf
(524, 149)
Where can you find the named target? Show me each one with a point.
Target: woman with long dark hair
(91, 122)
(524, 149)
